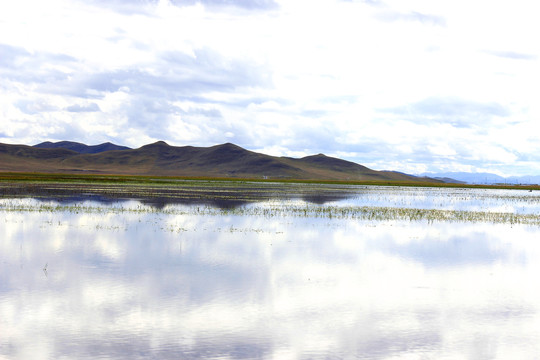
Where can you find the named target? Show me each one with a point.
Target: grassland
(174, 181)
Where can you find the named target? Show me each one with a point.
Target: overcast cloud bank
(412, 86)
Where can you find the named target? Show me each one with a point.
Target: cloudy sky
(405, 85)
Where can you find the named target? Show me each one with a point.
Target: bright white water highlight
(183, 284)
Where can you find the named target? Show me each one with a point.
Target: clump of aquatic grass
(289, 209)
(374, 213)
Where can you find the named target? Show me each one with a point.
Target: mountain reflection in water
(159, 197)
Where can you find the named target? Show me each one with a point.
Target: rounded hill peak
(228, 145)
(159, 143)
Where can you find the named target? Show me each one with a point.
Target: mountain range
(161, 159)
(483, 178)
(81, 148)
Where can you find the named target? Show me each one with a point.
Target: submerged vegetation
(273, 209)
(215, 197)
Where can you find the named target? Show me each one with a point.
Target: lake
(272, 271)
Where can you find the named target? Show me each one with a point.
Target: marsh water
(287, 276)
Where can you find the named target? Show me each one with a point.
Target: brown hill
(161, 159)
(80, 148)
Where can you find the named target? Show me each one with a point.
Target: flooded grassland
(227, 270)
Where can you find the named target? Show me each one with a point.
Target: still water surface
(170, 283)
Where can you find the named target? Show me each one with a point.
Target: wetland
(266, 270)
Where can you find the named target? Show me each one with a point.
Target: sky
(406, 85)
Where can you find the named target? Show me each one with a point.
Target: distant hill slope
(225, 160)
(485, 178)
(81, 148)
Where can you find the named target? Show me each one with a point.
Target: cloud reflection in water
(150, 284)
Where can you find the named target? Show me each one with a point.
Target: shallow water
(173, 282)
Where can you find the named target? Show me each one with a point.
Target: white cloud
(297, 77)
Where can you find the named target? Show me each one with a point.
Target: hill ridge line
(226, 160)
